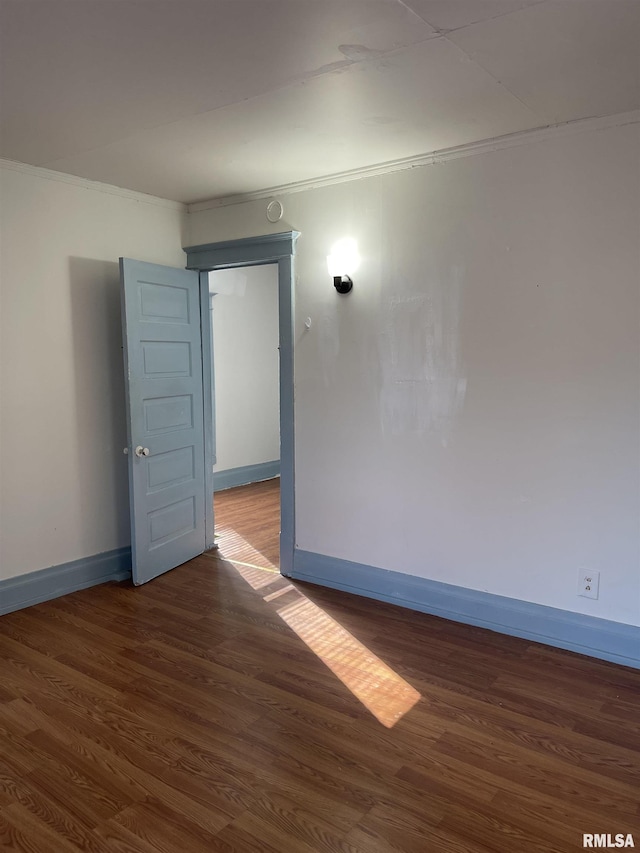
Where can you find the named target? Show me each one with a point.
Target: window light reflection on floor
(381, 690)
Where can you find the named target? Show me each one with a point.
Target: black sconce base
(342, 283)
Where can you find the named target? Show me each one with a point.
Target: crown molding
(96, 186)
(510, 140)
(470, 149)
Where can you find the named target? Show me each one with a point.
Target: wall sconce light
(343, 283)
(342, 262)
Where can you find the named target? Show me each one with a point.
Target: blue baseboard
(599, 638)
(245, 474)
(35, 587)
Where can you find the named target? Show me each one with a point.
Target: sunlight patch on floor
(381, 690)
(385, 693)
(232, 546)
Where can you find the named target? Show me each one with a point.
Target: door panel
(163, 378)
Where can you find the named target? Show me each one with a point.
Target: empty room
(319, 426)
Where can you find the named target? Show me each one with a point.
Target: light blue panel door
(163, 377)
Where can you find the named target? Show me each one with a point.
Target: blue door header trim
(242, 252)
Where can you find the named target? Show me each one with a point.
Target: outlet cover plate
(588, 583)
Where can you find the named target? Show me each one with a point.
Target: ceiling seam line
(341, 65)
(502, 85)
(445, 31)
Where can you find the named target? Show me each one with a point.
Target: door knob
(142, 451)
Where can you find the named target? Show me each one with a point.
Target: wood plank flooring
(248, 523)
(195, 714)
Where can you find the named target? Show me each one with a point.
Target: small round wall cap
(274, 211)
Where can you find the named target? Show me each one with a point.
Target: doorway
(245, 364)
(272, 248)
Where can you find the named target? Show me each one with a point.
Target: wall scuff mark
(423, 380)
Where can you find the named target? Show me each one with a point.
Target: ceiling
(198, 99)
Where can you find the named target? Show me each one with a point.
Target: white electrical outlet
(588, 583)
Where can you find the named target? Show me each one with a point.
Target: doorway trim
(253, 251)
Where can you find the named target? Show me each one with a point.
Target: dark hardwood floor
(223, 708)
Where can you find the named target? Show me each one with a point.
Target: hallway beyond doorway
(248, 524)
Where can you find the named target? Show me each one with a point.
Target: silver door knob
(142, 451)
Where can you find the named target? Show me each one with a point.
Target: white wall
(245, 338)
(470, 412)
(63, 477)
